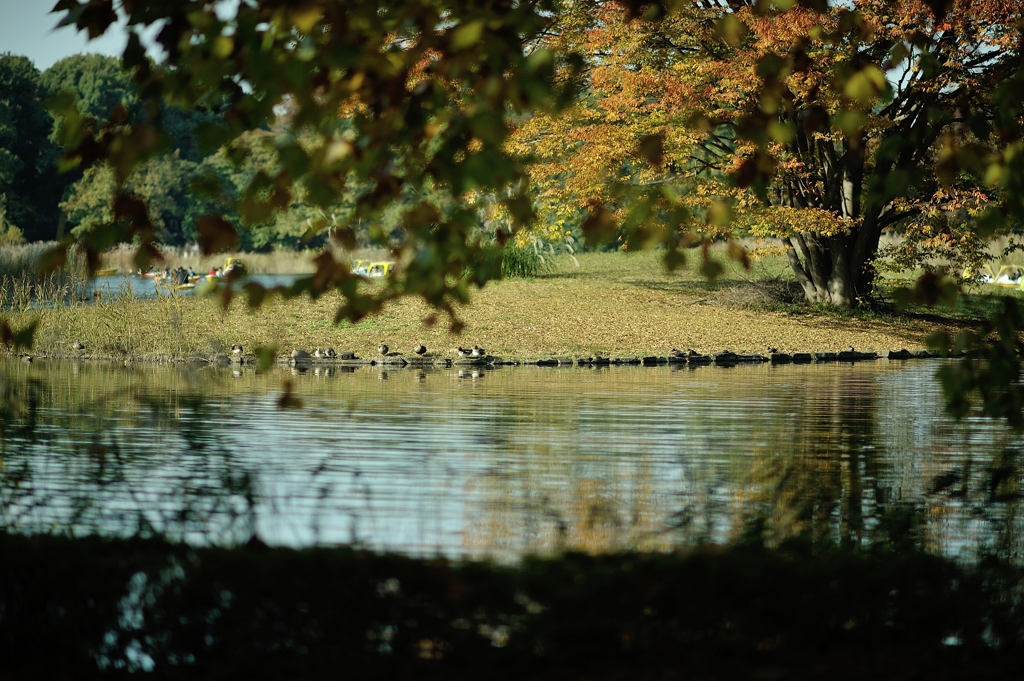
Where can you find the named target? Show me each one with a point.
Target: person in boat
(213, 272)
(191, 272)
(182, 276)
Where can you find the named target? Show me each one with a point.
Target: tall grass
(22, 286)
(521, 261)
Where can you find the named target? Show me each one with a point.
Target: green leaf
(210, 136)
(256, 294)
(711, 269)
(265, 357)
(466, 35)
(866, 85)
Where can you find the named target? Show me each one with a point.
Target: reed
(23, 286)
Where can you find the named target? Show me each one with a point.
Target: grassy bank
(608, 303)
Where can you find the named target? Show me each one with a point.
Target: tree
(98, 81)
(824, 125)
(823, 122)
(162, 182)
(24, 150)
(10, 235)
(426, 89)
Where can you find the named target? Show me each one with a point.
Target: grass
(609, 303)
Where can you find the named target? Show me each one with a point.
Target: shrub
(520, 261)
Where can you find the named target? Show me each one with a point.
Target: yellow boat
(108, 272)
(175, 287)
(1006, 275)
(381, 268)
(232, 265)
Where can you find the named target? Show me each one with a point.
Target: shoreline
(612, 305)
(400, 361)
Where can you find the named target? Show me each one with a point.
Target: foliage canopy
(824, 123)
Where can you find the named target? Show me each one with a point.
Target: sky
(27, 28)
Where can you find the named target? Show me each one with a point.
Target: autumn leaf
(215, 234)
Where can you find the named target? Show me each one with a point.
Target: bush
(520, 261)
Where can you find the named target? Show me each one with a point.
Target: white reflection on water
(511, 462)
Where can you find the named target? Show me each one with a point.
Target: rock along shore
(396, 361)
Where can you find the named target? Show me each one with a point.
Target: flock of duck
(477, 355)
(419, 349)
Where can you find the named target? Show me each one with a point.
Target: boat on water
(233, 268)
(373, 270)
(176, 287)
(107, 272)
(1006, 275)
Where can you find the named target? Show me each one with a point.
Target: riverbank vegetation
(606, 303)
(744, 612)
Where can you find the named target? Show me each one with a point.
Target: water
(506, 462)
(145, 287)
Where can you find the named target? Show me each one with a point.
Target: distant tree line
(38, 202)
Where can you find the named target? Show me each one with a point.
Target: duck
(319, 354)
(677, 353)
(463, 352)
(78, 345)
(329, 352)
(27, 358)
(236, 349)
(772, 351)
(478, 352)
(383, 349)
(420, 349)
(300, 354)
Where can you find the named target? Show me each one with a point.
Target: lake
(111, 286)
(506, 462)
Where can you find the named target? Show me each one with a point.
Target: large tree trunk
(827, 269)
(835, 269)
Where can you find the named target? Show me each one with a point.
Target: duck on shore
(236, 350)
(477, 352)
(319, 354)
(420, 349)
(383, 349)
(463, 352)
(329, 352)
(78, 346)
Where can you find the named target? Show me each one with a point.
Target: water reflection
(500, 463)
